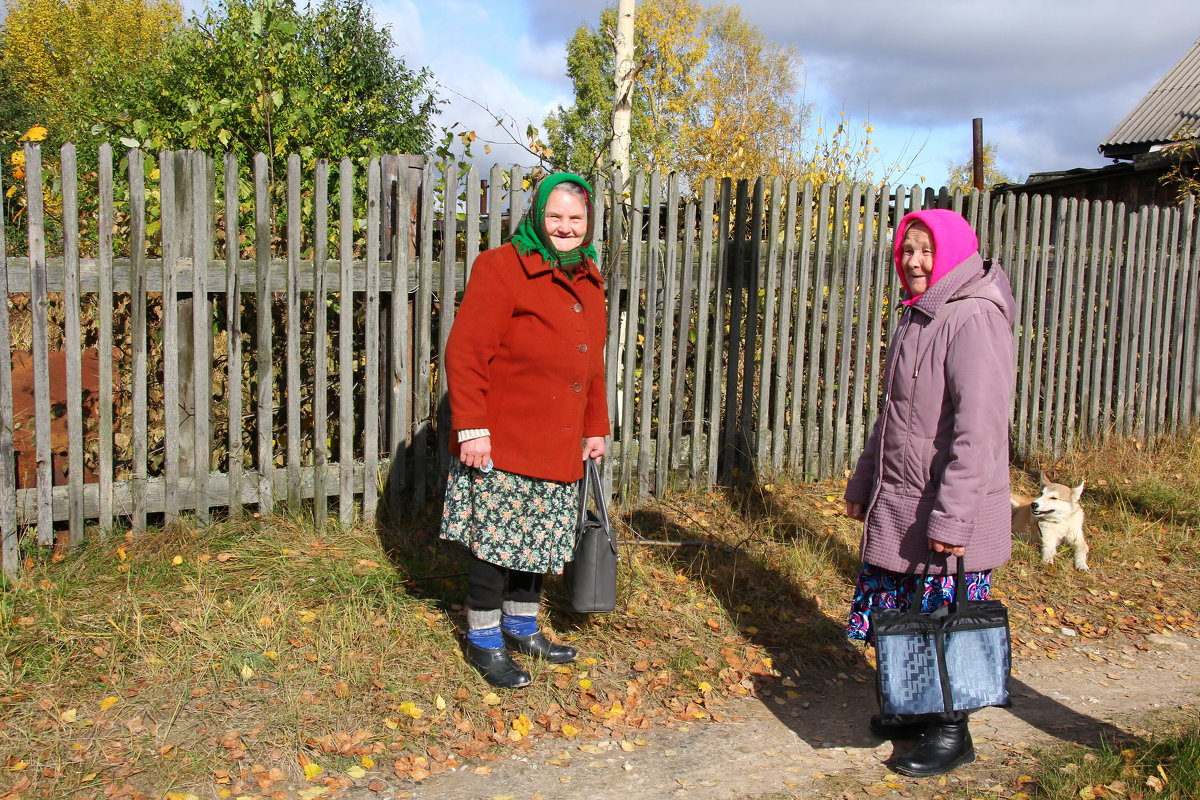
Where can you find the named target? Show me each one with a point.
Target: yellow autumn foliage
(65, 54)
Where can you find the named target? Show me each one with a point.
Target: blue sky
(1050, 78)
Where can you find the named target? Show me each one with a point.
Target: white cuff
(472, 433)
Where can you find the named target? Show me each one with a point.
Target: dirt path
(813, 741)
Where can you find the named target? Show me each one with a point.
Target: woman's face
(565, 219)
(916, 257)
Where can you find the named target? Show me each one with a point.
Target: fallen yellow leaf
(108, 703)
(367, 762)
(412, 710)
(356, 772)
(439, 703)
(491, 699)
(177, 560)
(17, 767)
(585, 683)
(569, 731)
(69, 715)
(312, 770)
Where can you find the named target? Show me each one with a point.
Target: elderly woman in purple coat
(934, 473)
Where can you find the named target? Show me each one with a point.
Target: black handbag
(956, 658)
(591, 574)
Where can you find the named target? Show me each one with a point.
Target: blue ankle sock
(487, 638)
(519, 626)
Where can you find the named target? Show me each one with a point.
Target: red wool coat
(525, 359)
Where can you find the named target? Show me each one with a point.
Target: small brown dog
(1052, 518)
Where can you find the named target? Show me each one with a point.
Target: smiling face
(565, 219)
(916, 257)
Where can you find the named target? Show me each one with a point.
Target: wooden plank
(1129, 309)
(685, 375)
(1181, 322)
(201, 332)
(614, 342)
(9, 552)
(1037, 383)
(138, 351)
(629, 349)
(235, 450)
(1114, 236)
(800, 341)
(292, 335)
(422, 411)
(833, 405)
(707, 374)
(784, 429)
(752, 367)
(1149, 269)
(72, 336)
(495, 198)
(346, 434)
(858, 387)
(1077, 255)
(1089, 391)
(26, 499)
(472, 222)
(599, 209)
(1191, 260)
(666, 364)
(716, 401)
(1060, 296)
(104, 320)
(817, 338)
(1027, 227)
(732, 265)
(170, 335)
(321, 329)
(516, 197)
(770, 431)
(264, 407)
(884, 261)
(400, 356)
(446, 316)
(1162, 299)
(649, 338)
(39, 310)
(371, 394)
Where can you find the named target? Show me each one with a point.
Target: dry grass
(267, 656)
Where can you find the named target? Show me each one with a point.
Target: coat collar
(946, 288)
(534, 265)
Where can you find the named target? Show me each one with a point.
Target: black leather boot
(538, 645)
(898, 726)
(944, 746)
(496, 667)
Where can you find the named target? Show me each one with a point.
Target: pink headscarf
(953, 242)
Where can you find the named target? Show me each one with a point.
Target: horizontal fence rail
(747, 323)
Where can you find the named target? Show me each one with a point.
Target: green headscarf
(531, 236)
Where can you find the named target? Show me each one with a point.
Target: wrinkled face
(565, 219)
(916, 257)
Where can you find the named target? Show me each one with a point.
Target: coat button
(582, 348)
(575, 387)
(577, 308)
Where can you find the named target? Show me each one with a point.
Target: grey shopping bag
(954, 659)
(591, 574)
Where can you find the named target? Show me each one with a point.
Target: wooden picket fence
(746, 330)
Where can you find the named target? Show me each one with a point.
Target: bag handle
(591, 486)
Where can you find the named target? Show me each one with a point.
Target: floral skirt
(512, 520)
(882, 588)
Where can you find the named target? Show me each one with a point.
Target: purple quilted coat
(936, 464)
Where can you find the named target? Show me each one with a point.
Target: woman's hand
(593, 447)
(956, 550)
(856, 510)
(476, 453)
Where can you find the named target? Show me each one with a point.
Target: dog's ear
(1077, 492)
(1042, 479)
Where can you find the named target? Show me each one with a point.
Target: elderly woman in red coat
(933, 478)
(525, 368)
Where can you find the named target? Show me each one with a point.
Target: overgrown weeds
(260, 656)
